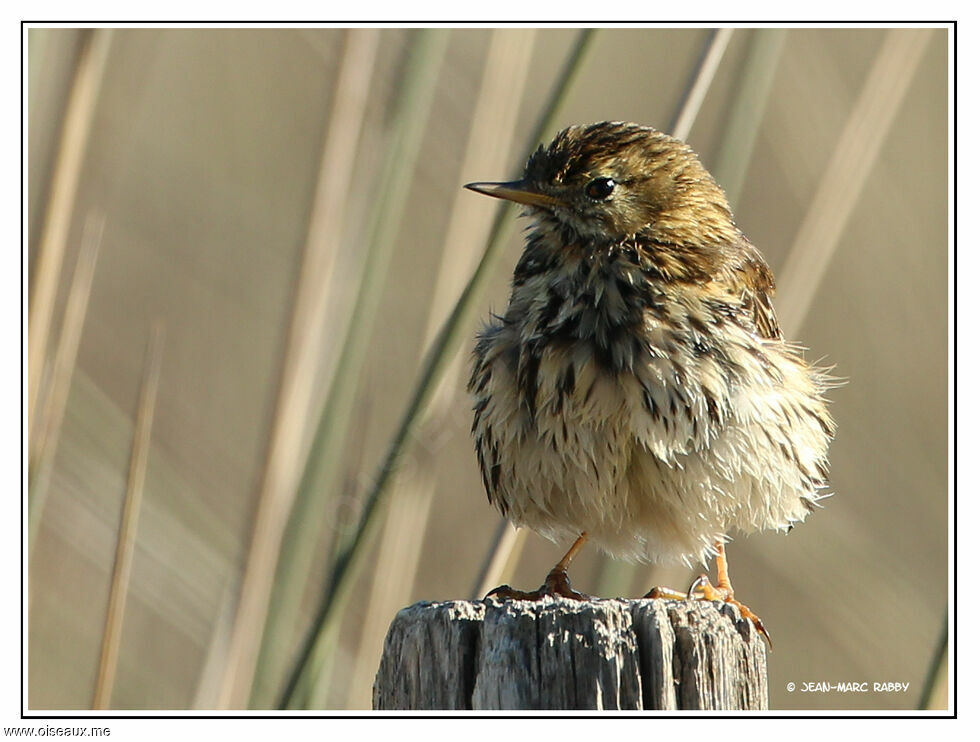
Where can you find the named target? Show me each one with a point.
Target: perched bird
(637, 391)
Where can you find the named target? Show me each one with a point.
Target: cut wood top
(563, 654)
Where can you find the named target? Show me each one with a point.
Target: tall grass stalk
(846, 173)
(297, 387)
(46, 426)
(319, 641)
(412, 107)
(501, 560)
(690, 107)
(935, 685)
(843, 179)
(745, 116)
(129, 523)
(491, 137)
(740, 132)
(79, 115)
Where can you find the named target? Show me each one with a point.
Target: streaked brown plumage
(638, 388)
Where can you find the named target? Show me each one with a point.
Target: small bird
(637, 391)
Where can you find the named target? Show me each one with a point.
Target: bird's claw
(556, 584)
(754, 619)
(699, 588)
(702, 589)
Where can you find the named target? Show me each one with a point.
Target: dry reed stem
(842, 182)
(301, 364)
(414, 104)
(846, 173)
(129, 523)
(935, 686)
(46, 427)
(502, 559)
(738, 139)
(696, 94)
(79, 114)
(490, 139)
(318, 641)
(745, 117)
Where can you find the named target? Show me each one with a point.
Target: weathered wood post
(563, 654)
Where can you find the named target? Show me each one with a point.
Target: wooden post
(562, 654)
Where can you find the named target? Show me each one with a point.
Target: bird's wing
(759, 305)
(758, 287)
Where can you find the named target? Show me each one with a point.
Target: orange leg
(556, 583)
(702, 589)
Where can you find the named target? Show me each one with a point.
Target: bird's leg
(556, 583)
(702, 589)
(724, 591)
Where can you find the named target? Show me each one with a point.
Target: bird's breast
(617, 354)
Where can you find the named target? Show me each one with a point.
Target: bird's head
(611, 181)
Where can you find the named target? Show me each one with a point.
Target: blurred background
(249, 432)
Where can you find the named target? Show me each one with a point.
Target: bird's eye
(600, 188)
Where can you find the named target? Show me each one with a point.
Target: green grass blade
(745, 118)
(412, 109)
(314, 653)
(935, 680)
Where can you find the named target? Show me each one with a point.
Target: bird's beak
(519, 191)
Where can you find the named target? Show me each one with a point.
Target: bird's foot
(556, 584)
(702, 589)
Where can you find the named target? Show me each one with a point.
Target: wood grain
(560, 654)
